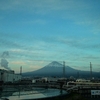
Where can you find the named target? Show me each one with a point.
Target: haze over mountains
(56, 69)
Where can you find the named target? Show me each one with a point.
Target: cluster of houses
(9, 76)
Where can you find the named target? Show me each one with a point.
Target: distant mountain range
(56, 69)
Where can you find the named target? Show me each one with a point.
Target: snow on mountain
(54, 64)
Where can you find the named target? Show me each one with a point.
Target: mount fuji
(52, 69)
(56, 69)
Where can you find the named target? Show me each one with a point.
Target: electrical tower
(20, 70)
(64, 69)
(90, 70)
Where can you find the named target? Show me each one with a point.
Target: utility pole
(64, 69)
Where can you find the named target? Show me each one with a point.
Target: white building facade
(9, 76)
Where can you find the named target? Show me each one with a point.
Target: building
(9, 76)
(82, 80)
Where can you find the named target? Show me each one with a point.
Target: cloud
(17, 50)
(36, 21)
(43, 5)
(5, 54)
(10, 5)
(8, 42)
(4, 63)
(91, 57)
(18, 62)
(80, 43)
(80, 12)
(93, 23)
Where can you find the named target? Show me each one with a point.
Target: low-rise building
(9, 76)
(82, 80)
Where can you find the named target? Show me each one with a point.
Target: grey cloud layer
(81, 43)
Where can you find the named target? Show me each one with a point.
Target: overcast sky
(36, 32)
